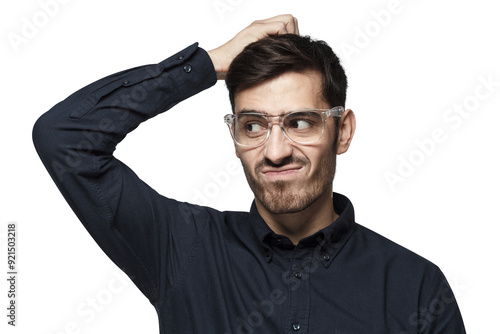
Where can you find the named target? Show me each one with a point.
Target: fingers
(278, 25)
(222, 56)
(296, 26)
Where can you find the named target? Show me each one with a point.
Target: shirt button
(125, 82)
(187, 68)
(298, 274)
(296, 326)
(180, 57)
(326, 257)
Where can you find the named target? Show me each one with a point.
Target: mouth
(281, 173)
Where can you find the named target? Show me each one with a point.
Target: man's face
(284, 176)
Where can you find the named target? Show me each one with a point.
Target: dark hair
(272, 56)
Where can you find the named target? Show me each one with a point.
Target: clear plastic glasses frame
(230, 120)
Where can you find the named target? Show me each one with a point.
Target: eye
(253, 127)
(303, 121)
(300, 124)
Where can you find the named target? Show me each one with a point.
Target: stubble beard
(285, 196)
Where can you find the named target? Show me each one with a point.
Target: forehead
(288, 91)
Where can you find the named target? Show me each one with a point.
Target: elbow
(49, 143)
(48, 139)
(41, 135)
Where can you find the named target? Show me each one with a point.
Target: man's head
(272, 56)
(274, 76)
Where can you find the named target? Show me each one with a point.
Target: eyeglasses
(304, 126)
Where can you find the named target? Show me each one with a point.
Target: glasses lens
(304, 126)
(250, 129)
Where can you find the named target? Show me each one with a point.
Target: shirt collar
(327, 241)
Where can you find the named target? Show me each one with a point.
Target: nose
(277, 147)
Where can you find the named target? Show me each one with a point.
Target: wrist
(216, 62)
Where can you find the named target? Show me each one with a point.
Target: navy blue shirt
(207, 271)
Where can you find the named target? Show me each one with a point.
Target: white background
(406, 70)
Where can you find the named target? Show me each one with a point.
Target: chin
(283, 200)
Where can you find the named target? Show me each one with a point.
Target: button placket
(268, 255)
(299, 287)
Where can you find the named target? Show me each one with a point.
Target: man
(297, 262)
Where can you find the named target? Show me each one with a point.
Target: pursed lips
(281, 171)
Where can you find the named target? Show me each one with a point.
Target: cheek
(315, 162)
(247, 158)
(311, 153)
(330, 133)
(321, 157)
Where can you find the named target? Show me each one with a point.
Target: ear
(347, 127)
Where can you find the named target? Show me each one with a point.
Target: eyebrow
(251, 111)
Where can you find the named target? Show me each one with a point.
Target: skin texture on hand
(223, 55)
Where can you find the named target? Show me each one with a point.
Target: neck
(302, 224)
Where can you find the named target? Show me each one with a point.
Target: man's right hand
(277, 25)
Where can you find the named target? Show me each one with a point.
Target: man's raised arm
(77, 137)
(76, 140)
